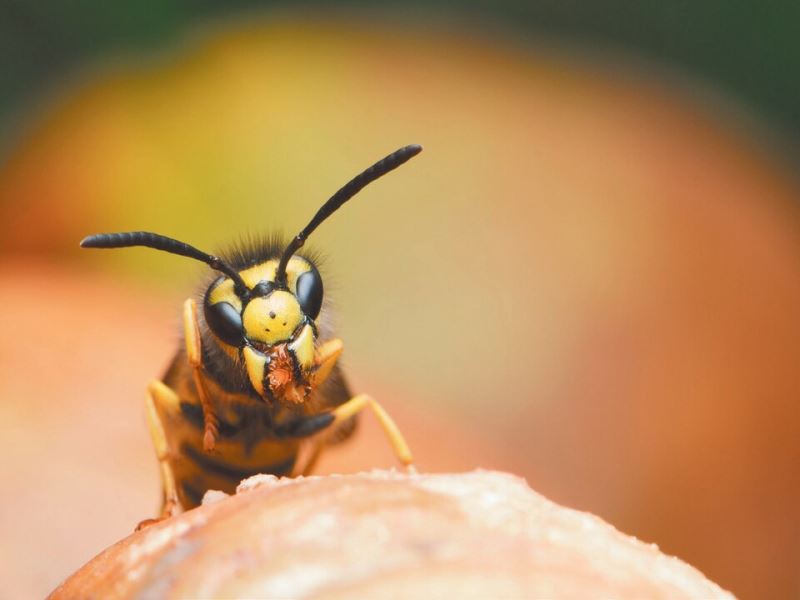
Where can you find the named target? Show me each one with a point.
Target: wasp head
(272, 324)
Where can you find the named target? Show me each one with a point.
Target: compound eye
(225, 322)
(309, 292)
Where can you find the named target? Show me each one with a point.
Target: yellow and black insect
(258, 375)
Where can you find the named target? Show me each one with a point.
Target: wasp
(257, 376)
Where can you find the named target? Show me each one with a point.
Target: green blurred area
(748, 49)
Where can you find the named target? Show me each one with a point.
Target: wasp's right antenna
(350, 189)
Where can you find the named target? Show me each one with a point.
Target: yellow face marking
(303, 348)
(272, 319)
(255, 363)
(255, 274)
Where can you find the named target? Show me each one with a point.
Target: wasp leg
(350, 409)
(191, 331)
(358, 403)
(327, 355)
(313, 456)
(161, 398)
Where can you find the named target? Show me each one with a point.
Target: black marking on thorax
(193, 494)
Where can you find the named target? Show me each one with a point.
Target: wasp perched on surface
(258, 374)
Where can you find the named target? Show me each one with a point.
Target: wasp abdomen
(219, 467)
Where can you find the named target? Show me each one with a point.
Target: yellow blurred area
(587, 278)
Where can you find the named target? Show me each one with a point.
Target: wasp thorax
(272, 319)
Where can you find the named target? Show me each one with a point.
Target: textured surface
(383, 534)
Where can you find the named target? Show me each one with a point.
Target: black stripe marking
(194, 414)
(193, 495)
(305, 426)
(209, 465)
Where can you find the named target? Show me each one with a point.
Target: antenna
(161, 242)
(350, 189)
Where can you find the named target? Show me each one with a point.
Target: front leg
(358, 403)
(327, 356)
(342, 413)
(194, 353)
(162, 400)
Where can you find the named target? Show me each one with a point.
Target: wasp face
(273, 327)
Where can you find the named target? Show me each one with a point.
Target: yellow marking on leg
(160, 397)
(191, 332)
(358, 403)
(327, 355)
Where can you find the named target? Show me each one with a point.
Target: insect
(257, 376)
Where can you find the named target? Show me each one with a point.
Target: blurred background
(590, 277)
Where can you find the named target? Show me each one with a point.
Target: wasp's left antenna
(162, 242)
(350, 189)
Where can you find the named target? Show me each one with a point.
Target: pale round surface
(381, 535)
